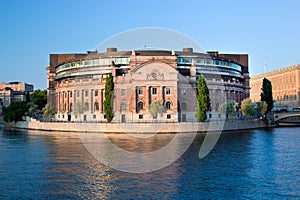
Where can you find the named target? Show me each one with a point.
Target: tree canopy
(15, 111)
(156, 108)
(203, 101)
(49, 110)
(261, 107)
(266, 94)
(248, 108)
(39, 98)
(229, 107)
(109, 95)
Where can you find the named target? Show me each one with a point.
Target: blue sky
(30, 30)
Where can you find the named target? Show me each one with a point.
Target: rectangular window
(71, 94)
(94, 116)
(86, 93)
(154, 90)
(78, 93)
(140, 116)
(168, 91)
(96, 93)
(168, 116)
(140, 91)
(123, 92)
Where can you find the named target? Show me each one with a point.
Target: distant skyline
(31, 30)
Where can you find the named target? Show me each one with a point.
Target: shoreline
(140, 128)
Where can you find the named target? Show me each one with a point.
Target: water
(256, 164)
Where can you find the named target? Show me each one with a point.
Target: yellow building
(285, 85)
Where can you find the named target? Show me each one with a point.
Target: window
(123, 106)
(123, 92)
(141, 116)
(154, 90)
(183, 91)
(71, 107)
(86, 106)
(77, 93)
(140, 91)
(168, 105)
(140, 105)
(168, 116)
(96, 93)
(96, 106)
(94, 116)
(71, 94)
(86, 93)
(183, 106)
(168, 91)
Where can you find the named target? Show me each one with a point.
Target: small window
(168, 105)
(76, 116)
(96, 93)
(140, 91)
(78, 94)
(141, 116)
(168, 91)
(71, 94)
(154, 90)
(104, 116)
(168, 116)
(94, 116)
(123, 92)
(86, 93)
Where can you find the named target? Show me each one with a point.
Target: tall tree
(39, 98)
(49, 110)
(248, 107)
(109, 95)
(266, 94)
(203, 101)
(229, 107)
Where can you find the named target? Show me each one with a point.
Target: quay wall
(183, 127)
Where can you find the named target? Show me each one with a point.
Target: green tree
(39, 97)
(261, 107)
(109, 95)
(266, 94)
(156, 108)
(203, 101)
(49, 111)
(15, 111)
(248, 108)
(32, 109)
(229, 107)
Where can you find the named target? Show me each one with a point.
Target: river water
(254, 164)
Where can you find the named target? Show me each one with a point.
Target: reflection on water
(252, 164)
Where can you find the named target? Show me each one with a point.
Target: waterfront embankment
(183, 127)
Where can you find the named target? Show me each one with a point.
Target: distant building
(141, 77)
(13, 91)
(285, 85)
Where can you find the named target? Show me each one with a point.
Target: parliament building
(76, 83)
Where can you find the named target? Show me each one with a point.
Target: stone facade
(285, 85)
(76, 83)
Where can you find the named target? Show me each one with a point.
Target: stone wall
(187, 127)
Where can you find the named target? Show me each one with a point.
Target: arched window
(96, 106)
(168, 105)
(123, 106)
(140, 105)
